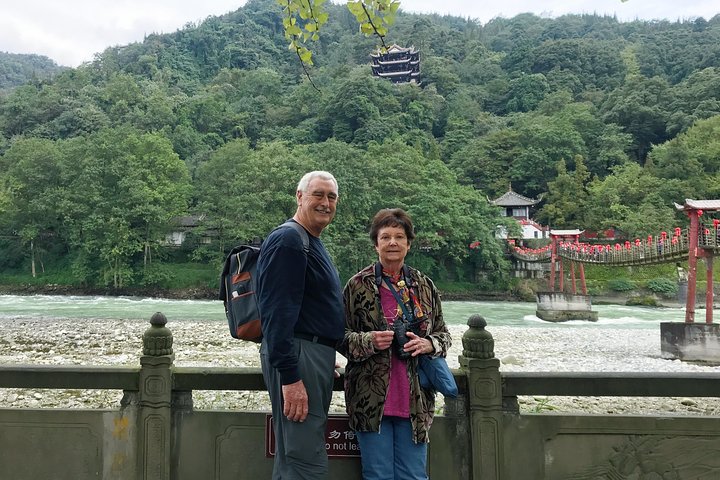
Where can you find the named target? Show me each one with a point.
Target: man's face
(316, 206)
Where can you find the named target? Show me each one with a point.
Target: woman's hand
(382, 339)
(418, 345)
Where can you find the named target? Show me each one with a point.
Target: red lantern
(637, 242)
(677, 231)
(663, 235)
(716, 222)
(699, 213)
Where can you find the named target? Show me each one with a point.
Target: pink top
(397, 402)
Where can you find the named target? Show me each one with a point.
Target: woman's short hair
(391, 217)
(308, 177)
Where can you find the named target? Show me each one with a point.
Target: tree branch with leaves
(303, 20)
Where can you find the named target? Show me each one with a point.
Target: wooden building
(515, 205)
(520, 208)
(399, 65)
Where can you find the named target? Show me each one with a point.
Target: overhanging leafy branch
(303, 20)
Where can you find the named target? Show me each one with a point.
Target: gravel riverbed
(207, 343)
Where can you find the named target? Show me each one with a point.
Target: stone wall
(157, 434)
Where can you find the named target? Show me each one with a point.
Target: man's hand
(382, 339)
(295, 401)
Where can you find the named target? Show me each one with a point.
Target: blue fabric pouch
(435, 374)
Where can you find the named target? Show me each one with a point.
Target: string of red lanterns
(577, 248)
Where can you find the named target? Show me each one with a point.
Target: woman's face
(392, 245)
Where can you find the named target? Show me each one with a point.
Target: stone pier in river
(561, 307)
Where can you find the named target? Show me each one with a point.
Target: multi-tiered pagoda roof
(397, 64)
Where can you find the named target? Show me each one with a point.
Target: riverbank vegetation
(142, 168)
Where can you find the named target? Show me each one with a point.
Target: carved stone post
(484, 399)
(154, 401)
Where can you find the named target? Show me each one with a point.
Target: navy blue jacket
(296, 293)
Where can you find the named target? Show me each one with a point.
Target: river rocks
(510, 360)
(207, 343)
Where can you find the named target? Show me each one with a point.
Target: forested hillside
(17, 69)
(611, 121)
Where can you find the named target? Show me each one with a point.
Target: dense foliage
(610, 121)
(17, 69)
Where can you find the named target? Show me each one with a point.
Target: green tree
(693, 158)
(526, 92)
(696, 98)
(229, 202)
(596, 63)
(28, 108)
(254, 195)
(567, 197)
(485, 161)
(447, 216)
(544, 141)
(360, 109)
(31, 183)
(638, 106)
(604, 143)
(17, 69)
(123, 190)
(633, 200)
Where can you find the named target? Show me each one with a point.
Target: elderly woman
(388, 408)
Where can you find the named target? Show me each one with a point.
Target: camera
(401, 326)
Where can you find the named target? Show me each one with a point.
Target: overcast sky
(72, 31)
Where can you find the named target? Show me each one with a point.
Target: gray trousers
(300, 452)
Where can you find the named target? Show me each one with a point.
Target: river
(515, 314)
(88, 330)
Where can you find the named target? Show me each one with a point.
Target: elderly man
(300, 300)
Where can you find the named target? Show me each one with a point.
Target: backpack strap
(227, 267)
(303, 234)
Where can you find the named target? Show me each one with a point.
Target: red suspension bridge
(697, 241)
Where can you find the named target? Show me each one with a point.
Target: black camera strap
(379, 274)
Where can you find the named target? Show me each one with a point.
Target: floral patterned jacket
(367, 372)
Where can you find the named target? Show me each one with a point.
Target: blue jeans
(391, 454)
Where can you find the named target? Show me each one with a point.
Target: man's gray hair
(308, 177)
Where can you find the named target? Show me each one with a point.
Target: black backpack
(237, 287)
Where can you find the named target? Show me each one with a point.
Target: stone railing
(155, 433)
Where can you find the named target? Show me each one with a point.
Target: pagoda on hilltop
(397, 64)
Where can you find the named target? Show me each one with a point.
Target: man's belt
(328, 342)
